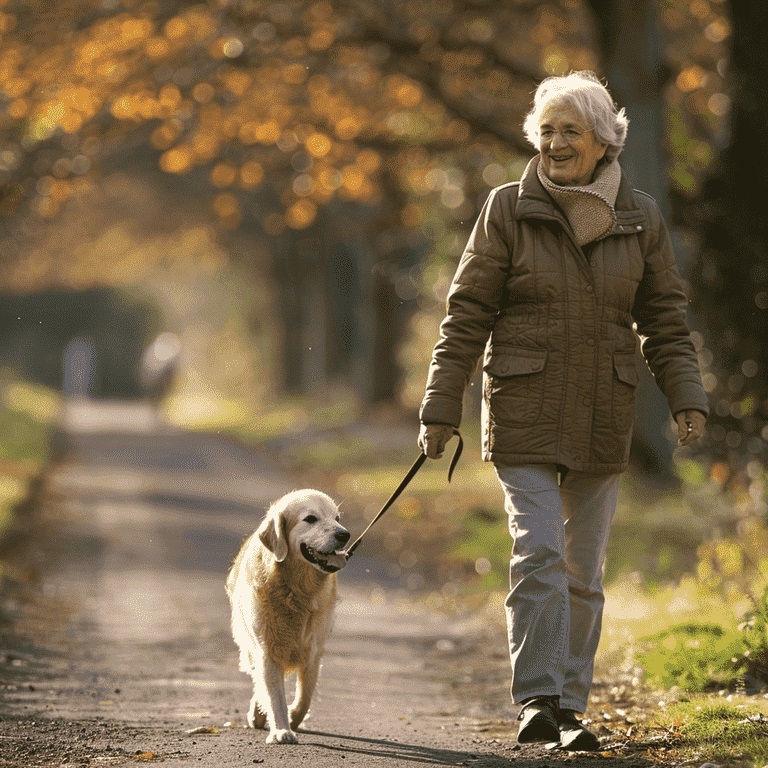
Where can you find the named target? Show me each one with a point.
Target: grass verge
(28, 414)
(731, 732)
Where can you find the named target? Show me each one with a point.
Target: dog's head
(305, 524)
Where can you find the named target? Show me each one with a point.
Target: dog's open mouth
(330, 562)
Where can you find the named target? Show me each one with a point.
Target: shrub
(695, 657)
(754, 628)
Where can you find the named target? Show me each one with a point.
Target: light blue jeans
(559, 526)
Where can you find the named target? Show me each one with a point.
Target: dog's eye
(310, 519)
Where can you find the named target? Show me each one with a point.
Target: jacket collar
(534, 202)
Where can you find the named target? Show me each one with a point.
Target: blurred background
(277, 194)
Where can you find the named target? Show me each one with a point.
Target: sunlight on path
(81, 415)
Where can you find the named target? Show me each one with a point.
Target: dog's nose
(342, 536)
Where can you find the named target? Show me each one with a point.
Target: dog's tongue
(335, 560)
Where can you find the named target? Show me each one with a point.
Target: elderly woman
(564, 273)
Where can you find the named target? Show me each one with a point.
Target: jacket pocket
(514, 389)
(625, 380)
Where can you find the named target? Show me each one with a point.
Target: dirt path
(118, 651)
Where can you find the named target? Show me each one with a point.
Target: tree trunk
(293, 313)
(391, 252)
(630, 44)
(732, 270)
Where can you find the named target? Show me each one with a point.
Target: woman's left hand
(690, 426)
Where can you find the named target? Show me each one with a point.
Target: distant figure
(159, 365)
(78, 368)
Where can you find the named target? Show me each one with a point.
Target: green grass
(484, 541)
(27, 416)
(726, 732)
(694, 656)
(206, 411)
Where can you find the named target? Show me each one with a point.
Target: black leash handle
(416, 466)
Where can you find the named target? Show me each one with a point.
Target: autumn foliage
(281, 110)
(313, 98)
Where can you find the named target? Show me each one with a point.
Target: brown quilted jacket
(557, 326)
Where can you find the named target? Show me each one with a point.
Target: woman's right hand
(433, 439)
(690, 426)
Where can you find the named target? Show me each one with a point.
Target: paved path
(122, 646)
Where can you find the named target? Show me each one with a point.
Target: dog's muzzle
(329, 562)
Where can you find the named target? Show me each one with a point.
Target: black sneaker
(539, 720)
(574, 736)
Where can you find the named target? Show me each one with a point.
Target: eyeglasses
(571, 135)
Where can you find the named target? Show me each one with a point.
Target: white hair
(590, 98)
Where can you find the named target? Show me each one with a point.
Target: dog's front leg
(277, 712)
(306, 680)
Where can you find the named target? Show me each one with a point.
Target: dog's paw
(282, 737)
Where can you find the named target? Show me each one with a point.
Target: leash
(403, 483)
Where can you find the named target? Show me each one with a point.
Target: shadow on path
(420, 754)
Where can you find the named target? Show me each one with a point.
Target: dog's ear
(272, 534)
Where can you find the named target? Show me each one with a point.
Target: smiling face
(569, 150)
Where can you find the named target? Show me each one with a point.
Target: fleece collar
(589, 208)
(534, 201)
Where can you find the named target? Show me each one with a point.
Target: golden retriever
(282, 591)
